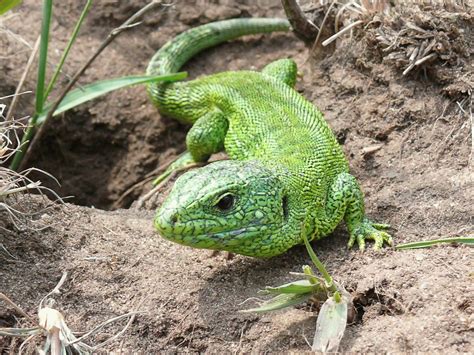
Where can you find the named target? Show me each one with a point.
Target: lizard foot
(367, 230)
(183, 161)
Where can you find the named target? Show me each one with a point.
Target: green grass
(39, 94)
(71, 41)
(99, 88)
(430, 243)
(6, 5)
(75, 97)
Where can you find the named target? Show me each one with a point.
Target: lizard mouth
(221, 240)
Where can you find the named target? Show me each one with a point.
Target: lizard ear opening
(284, 204)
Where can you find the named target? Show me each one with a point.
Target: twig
(27, 340)
(326, 15)
(15, 94)
(8, 253)
(17, 308)
(413, 56)
(339, 13)
(424, 59)
(34, 185)
(130, 23)
(102, 325)
(123, 330)
(341, 32)
(132, 188)
(22, 80)
(54, 291)
(148, 177)
(299, 22)
(438, 118)
(471, 118)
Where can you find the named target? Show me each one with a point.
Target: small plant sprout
(332, 317)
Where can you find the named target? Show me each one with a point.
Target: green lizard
(287, 174)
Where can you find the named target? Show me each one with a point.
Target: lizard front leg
(205, 137)
(346, 200)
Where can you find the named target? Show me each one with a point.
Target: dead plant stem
(22, 80)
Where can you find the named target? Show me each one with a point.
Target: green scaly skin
(287, 174)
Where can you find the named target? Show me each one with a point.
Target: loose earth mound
(407, 138)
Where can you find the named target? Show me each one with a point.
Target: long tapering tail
(170, 57)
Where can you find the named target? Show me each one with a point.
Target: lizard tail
(180, 49)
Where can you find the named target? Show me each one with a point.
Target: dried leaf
(332, 321)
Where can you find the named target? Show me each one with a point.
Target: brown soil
(407, 140)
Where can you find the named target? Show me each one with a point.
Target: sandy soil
(407, 141)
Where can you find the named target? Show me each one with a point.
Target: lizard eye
(225, 202)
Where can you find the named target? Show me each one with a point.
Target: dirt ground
(407, 138)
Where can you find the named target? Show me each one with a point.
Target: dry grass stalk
(409, 37)
(51, 326)
(471, 118)
(12, 183)
(159, 187)
(9, 116)
(341, 32)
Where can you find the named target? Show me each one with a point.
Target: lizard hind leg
(282, 69)
(346, 200)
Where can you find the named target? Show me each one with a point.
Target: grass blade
(6, 5)
(39, 95)
(319, 265)
(99, 88)
(72, 39)
(430, 243)
(281, 301)
(20, 332)
(296, 287)
(43, 55)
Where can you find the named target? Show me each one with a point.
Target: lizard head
(227, 205)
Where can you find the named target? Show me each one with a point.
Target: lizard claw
(368, 230)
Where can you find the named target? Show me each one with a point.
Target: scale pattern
(287, 174)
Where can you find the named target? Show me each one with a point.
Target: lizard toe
(380, 238)
(367, 230)
(380, 226)
(351, 241)
(361, 242)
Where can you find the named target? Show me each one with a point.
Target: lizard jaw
(250, 240)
